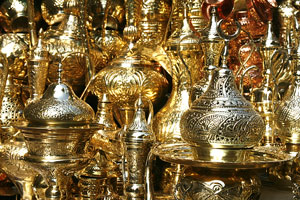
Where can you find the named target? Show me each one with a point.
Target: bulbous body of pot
(287, 114)
(221, 117)
(125, 80)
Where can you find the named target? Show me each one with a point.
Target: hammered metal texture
(222, 117)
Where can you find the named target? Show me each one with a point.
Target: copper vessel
(243, 52)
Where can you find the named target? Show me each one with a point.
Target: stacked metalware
(194, 99)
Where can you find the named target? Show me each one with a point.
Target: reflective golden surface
(221, 117)
(11, 106)
(89, 37)
(59, 105)
(38, 70)
(287, 113)
(14, 16)
(52, 11)
(137, 140)
(153, 21)
(182, 44)
(112, 45)
(126, 77)
(12, 156)
(258, 157)
(99, 179)
(198, 183)
(15, 47)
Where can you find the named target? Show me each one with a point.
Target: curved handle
(243, 75)
(252, 49)
(182, 59)
(281, 60)
(225, 36)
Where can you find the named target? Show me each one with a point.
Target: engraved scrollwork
(124, 85)
(287, 114)
(221, 116)
(223, 185)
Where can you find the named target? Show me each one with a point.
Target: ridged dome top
(59, 106)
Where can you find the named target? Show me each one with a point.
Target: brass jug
(16, 56)
(287, 12)
(265, 97)
(104, 30)
(38, 69)
(222, 117)
(183, 43)
(69, 42)
(212, 45)
(99, 179)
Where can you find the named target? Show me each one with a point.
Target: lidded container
(222, 117)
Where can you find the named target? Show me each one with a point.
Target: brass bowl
(49, 144)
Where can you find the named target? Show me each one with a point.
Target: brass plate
(254, 158)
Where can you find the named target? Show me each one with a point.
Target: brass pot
(125, 78)
(221, 117)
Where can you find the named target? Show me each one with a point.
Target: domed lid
(59, 106)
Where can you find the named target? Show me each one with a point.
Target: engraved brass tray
(254, 158)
